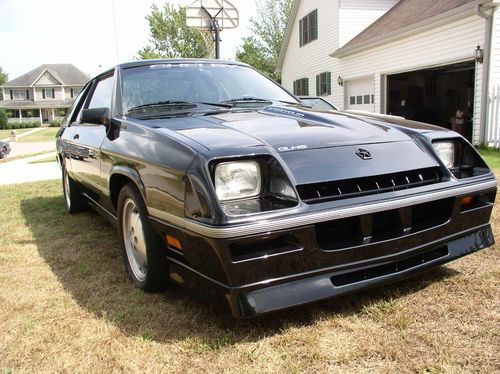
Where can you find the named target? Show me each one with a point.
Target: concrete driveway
(21, 171)
(20, 148)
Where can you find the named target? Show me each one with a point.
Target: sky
(36, 32)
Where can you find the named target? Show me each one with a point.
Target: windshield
(202, 83)
(318, 103)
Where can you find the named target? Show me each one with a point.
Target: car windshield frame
(204, 69)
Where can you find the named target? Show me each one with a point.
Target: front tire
(146, 265)
(3, 152)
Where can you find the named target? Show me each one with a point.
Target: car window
(204, 82)
(101, 97)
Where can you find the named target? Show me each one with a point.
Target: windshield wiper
(245, 100)
(161, 104)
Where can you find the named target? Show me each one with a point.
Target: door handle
(76, 136)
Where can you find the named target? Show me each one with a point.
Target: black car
(4, 149)
(220, 179)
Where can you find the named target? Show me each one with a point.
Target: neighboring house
(44, 94)
(414, 58)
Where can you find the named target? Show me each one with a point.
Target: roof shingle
(68, 74)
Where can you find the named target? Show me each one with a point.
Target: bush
(3, 119)
(55, 123)
(36, 124)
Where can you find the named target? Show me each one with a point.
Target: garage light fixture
(478, 54)
(340, 81)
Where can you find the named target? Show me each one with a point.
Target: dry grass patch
(66, 305)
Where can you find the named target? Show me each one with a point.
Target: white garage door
(360, 94)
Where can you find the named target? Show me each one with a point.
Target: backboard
(222, 10)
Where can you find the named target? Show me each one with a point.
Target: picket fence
(493, 119)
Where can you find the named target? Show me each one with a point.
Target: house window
(48, 93)
(366, 99)
(308, 28)
(352, 100)
(301, 87)
(323, 84)
(74, 92)
(17, 94)
(359, 99)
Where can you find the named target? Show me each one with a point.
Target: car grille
(347, 188)
(384, 225)
(388, 269)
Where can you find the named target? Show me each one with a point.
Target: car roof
(136, 63)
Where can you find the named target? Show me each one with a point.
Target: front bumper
(281, 268)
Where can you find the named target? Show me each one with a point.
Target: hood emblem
(363, 154)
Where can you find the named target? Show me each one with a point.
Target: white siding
(356, 15)
(495, 50)
(452, 42)
(47, 79)
(312, 59)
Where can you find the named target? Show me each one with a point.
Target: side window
(101, 97)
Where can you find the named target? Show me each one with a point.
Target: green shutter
(306, 81)
(301, 33)
(329, 82)
(318, 83)
(313, 25)
(295, 87)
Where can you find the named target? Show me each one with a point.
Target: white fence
(493, 119)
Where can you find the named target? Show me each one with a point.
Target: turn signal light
(466, 200)
(173, 242)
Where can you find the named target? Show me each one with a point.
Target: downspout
(486, 72)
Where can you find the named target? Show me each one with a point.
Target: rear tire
(74, 200)
(3, 152)
(146, 264)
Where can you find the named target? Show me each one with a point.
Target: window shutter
(313, 24)
(318, 83)
(53, 93)
(72, 93)
(11, 95)
(329, 83)
(295, 87)
(43, 93)
(27, 94)
(306, 88)
(301, 33)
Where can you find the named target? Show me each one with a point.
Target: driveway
(20, 171)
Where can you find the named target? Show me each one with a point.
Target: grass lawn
(51, 158)
(66, 305)
(41, 136)
(6, 133)
(491, 156)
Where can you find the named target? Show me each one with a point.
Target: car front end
(280, 225)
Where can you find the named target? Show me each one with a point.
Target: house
(427, 60)
(43, 94)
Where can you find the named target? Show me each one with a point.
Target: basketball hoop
(212, 16)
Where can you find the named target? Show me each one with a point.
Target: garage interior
(442, 96)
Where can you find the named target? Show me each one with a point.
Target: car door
(87, 139)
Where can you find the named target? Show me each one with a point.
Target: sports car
(219, 179)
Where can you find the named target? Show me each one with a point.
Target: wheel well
(116, 183)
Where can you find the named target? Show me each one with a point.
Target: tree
(261, 50)
(4, 78)
(171, 38)
(3, 119)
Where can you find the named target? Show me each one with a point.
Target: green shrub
(55, 123)
(36, 124)
(3, 119)
(8, 126)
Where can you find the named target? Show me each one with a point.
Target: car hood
(315, 146)
(285, 129)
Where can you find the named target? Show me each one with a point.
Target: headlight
(446, 152)
(237, 180)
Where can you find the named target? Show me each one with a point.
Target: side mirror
(97, 116)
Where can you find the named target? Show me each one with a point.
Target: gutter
(486, 68)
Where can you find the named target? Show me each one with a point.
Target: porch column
(20, 116)
(52, 110)
(40, 115)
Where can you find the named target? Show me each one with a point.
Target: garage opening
(442, 96)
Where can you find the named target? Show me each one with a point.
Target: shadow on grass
(82, 250)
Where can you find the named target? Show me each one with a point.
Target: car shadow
(82, 251)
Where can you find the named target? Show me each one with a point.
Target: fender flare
(131, 174)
